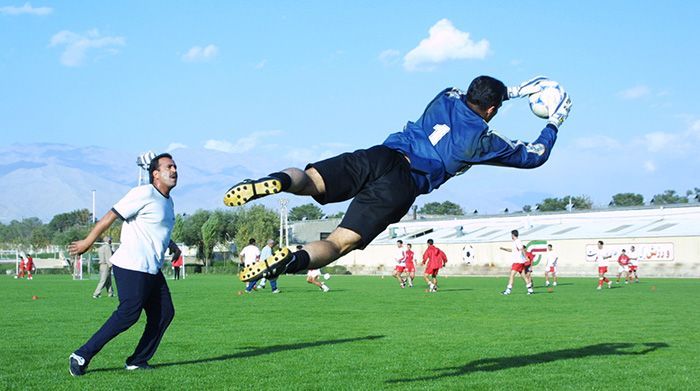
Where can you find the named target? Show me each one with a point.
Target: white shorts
(622, 269)
(313, 273)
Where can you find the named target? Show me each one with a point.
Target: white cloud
(389, 56)
(261, 64)
(661, 141)
(25, 9)
(444, 43)
(243, 144)
(174, 146)
(597, 142)
(201, 54)
(695, 126)
(635, 92)
(649, 166)
(77, 45)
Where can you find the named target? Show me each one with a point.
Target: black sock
(284, 178)
(300, 261)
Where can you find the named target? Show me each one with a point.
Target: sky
(305, 80)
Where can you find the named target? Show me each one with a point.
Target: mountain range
(44, 179)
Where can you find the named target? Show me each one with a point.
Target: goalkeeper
(450, 137)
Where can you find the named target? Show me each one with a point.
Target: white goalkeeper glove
(526, 88)
(558, 113)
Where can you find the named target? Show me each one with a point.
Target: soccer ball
(550, 96)
(326, 276)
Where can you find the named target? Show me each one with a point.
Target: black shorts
(379, 179)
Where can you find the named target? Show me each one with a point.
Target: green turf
(366, 334)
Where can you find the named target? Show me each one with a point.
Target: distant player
(623, 262)
(550, 267)
(249, 256)
(410, 265)
(313, 276)
(435, 259)
(29, 266)
(634, 263)
(400, 259)
(519, 256)
(601, 258)
(22, 268)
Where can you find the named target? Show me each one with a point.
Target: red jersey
(435, 257)
(409, 256)
(178, 262)
(623, 260)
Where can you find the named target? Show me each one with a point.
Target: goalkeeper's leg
(315, 255)
(291, 180)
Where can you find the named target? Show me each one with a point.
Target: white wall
(377, 259)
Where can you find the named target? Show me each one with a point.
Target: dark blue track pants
(137, 291)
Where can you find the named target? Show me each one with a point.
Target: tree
(256, 222)
(191, 231)
(210, 236)
(444, 208)
(627, 199)
(64, 221)
(338, 215)
(310, 211)
(555, 204)
(669, 197)
(527, 208)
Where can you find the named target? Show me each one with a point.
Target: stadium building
(666, 238)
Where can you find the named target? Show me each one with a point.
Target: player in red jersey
(400, 259)
(30, 266)
(410, 265)
(623, 267)
(601, 259)
(435, 259)
(22, 266)
(518, 266)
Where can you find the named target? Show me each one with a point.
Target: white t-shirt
(634, 257)
(266, 252)
(602, 256)
(250, 254)
(149, 218)
(517, 251)
(400, 256)
(551, 259)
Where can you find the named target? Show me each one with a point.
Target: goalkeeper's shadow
(503, 363)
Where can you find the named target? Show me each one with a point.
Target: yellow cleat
(249, 190)
(271, 267)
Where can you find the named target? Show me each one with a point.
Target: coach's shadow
(501, 363)
(252, 351)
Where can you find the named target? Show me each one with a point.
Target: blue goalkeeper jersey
(449, 138)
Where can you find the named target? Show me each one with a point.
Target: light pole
(94, 219)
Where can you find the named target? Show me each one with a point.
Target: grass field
(367, 334)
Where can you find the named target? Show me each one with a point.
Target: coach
(149, 217)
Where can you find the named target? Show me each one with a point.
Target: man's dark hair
(600, 242)
(430, 241)
(515, 233)
(485, 91)
(399, 241)
(251, 241)
(153, 165)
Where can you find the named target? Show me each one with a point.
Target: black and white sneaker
(133, 367)
(76, 365)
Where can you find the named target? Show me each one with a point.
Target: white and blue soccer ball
(326, 276)
(547, 99)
